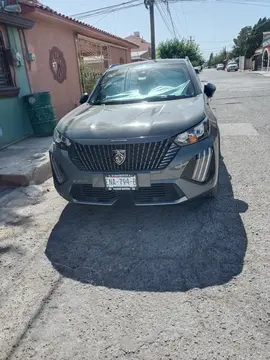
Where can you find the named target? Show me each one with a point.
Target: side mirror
(209, 90)
(197, 71)
(84, 98)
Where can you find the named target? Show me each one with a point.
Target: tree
(255, 38)
(250, 38)
(210, 60)
(221, 57)
(240, 47)
(180, 49)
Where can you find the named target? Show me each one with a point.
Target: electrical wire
(184, 15)
(163, 16)
(170, 16)
(108, 9)
(176, 1)
(179, 21)
(245, 2)
(214, 41)
(166, 15)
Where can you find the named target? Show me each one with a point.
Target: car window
(145, 83)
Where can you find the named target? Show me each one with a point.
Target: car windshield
(149, 82)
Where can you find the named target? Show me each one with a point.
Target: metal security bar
(94, 58)
(5, 76)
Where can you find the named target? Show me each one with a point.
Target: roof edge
(40, 8)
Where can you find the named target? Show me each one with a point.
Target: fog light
(58, 172)
(203, 161)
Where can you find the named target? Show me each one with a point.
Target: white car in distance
(232, 66)
(220, 67)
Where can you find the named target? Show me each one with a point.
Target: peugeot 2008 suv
(146, 134)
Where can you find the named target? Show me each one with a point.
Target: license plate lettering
(123, 182)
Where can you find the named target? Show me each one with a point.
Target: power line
(214, 41)
(170, 16)
(111, 7)
(160, 10)
(165, 13)
(244, 2)
(178, 19)
(184, 15)
(108, 9)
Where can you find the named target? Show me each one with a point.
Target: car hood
(125, 121)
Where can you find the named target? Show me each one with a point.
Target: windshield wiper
(117, 102)
(166, 97)
(147, 99)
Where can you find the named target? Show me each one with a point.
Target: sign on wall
(58, 65)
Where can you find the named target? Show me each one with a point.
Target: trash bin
(41, 113)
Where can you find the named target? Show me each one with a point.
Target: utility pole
(149, 4)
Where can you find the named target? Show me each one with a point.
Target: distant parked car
(232, 66)
(220, 67)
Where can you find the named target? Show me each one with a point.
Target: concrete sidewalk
(263, 73)
(25, 163)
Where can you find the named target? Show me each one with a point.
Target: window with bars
(5, 75)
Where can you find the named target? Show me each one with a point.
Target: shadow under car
(170, 248)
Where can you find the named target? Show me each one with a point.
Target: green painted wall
(14, 122)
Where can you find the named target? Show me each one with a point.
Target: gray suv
(145, 134)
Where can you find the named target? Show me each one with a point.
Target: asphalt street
(178, 282)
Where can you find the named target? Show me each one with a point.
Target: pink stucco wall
(49, 31)
(40, 40)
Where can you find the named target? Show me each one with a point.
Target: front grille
(157, 193)
(142, 156)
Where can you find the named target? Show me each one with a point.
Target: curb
(37, 175)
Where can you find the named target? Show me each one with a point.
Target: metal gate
(94, 58)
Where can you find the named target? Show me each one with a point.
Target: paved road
(187, 282)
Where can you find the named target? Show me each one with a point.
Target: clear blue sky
(213, 23)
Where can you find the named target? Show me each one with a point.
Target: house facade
(261, 57)
(143, 50)
(59, 46)
(266, 51)
(14, 84)
(43, 50)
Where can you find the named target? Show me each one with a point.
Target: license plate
(121, 182)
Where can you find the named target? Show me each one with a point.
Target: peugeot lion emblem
(119, 156)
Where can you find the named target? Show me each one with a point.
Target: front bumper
(192, 172)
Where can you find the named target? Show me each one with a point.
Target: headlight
(60, 140)
(195, 134)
